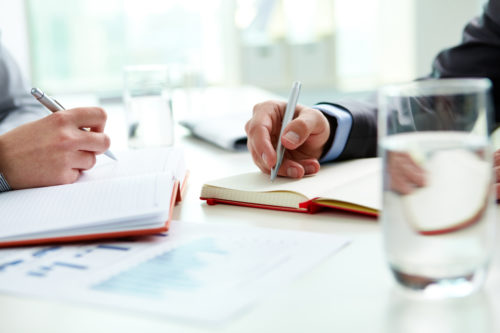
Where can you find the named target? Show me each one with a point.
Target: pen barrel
(287, 117)
(50, 104)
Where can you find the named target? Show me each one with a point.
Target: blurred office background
(332, 46)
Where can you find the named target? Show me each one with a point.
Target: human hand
(404, 173)
(303, 138)
(53, 150)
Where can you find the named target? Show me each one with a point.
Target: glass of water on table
(148, 105)
(438, 215)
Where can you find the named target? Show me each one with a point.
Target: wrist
(339, 134)
(332, 122)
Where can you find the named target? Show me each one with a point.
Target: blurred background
(332, 46)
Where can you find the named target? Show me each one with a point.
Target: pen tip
(110, 155)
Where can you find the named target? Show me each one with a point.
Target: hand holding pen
(53, 150)
(303, 138)
(54, 106)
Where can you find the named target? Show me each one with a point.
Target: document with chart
(206, 272)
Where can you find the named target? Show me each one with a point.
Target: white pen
(55, 106)
(289, 112)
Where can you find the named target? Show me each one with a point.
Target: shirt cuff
(344, 124)
(4, 186)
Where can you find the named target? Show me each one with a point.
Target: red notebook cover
(309, 206)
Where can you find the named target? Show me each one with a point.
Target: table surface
(352, 291)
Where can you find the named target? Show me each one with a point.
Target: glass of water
(438, 214)
(148, 106)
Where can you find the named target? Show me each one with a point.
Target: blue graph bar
(44, 251)
(168, 271)
(11, 263)
(42, 271)
(69, 265)
(113, 247)
(81, 254)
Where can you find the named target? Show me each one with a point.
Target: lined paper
(133, 191)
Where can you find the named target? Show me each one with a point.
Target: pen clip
(59, 104)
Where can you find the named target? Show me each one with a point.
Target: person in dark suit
(347, 129)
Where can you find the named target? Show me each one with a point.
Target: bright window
(83, 45)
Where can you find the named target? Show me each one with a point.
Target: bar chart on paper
(174, 270)
(196, 271)
(43, 264)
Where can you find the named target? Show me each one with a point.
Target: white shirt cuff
(344, 124)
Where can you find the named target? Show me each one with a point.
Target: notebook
(353, 186)
(134, 195)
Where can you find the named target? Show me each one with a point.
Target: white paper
(206, 272)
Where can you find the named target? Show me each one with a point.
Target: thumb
(299, 129)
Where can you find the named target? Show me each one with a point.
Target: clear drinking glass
(438, 214)
(148, 106)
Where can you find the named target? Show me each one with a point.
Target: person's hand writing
(303, 138)
(53, 150)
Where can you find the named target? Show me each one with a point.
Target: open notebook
(132, 196)
(352, 186)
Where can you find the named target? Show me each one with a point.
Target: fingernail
(310, 169)
(264, 158)
(292, 137)
(292, 172)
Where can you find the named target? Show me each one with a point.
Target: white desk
(350, 292)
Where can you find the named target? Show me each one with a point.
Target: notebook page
(364, 191)
(73, 206)
(272, 198)
(323, 184)
(137, 162)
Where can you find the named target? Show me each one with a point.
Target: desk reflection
(415, 315)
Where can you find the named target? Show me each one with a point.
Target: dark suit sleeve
(362, 140)
(477, 56)
(479, 53)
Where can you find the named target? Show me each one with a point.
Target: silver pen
(287, 118)
(54, 106)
